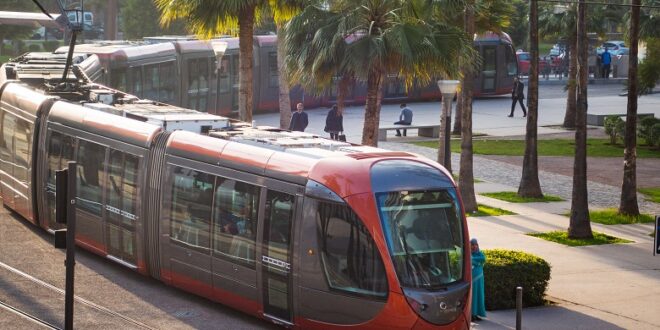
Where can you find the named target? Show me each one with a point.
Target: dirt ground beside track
(605, 170)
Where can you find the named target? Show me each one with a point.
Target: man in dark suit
(299, 119)
(518, 95)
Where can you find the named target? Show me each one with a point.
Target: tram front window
(424, 236)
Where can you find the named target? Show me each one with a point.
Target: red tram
(203, 75)
(287, 226)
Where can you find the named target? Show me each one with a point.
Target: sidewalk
(592, 287)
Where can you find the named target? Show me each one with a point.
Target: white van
(88, 17)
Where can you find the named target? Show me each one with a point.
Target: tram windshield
(424, 235)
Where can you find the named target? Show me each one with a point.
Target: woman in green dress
(478, 294)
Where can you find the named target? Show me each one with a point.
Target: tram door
(276, 255)
(489, 69)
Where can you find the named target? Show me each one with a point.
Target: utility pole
(65, 213)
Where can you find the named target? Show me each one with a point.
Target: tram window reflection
(424, 235)
(191, 207)
(235, 220)
(350, 257)
(91, 157)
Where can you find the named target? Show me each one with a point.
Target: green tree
(628, 204)
(518, 30)
(11, 32)
(579, 223)
(140, 19)
(529, 183)
(208, 18)
(380, 37)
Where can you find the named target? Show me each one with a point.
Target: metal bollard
(519, 291)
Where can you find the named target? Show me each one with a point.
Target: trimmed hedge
(505, 270)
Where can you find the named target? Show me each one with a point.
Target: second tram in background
(290, 227)
(203, 75)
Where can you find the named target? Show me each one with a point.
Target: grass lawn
(455, 175)
(512, 196)
(4, 58)
(486, 211)
(652, 194)
(554, 147)
(561, 237)
(610, 217)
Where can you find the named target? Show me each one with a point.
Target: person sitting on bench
(405, 118)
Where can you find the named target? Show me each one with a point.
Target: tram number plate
(275, 262)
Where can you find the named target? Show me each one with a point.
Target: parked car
(524, 63)
(612, 46)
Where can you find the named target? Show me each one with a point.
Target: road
(108, 296)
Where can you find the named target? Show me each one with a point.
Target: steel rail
(76, 298)
(27, 316)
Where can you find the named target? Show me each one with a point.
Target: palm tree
(529, 183)
(580, 225)
(377, 37)
(466, 172)
(628, 205)
(208, 18)
(480, 16)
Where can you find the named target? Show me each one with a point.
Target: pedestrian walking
(478, 287)
(405, 118)
(518, 95)
(606, 60)
(334, 122)
(299, 119)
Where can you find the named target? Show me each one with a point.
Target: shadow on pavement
(550, 317)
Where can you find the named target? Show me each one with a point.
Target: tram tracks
(59, 291)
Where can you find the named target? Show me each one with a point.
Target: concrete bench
(432, 131)
(597, 120)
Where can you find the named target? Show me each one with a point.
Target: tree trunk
(284, 98)
(372, 108)
(245, 59)
(458, 115)
(466, 172)
(529, 183)
(342, 91)
(628, 204)
(569, 117)
(580, 225)
(110, 28)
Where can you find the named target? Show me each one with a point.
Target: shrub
(614, 127)
(648, 130)
(505, 270)
(34, 48)
(51, 45)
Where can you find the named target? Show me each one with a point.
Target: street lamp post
(448, 89)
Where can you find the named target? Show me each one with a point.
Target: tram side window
(136, 74)
(151, 82)
(224, 83)
(91, 157)
(122, 187)
(193, 83)
(166, 87)
(7, 142)
(235, 220)
(273, 73)
(118, 79)
(192, 198)
(203, 83)
(60, 151)
(22, 141)
(511, 62)
(349, 255)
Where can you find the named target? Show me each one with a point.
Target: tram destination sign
(656, 237)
